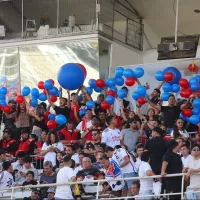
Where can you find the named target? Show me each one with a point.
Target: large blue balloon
(194, 87)
(114, 89)
(194, 119)
(196, 103)
(61, 119)
(165, 96)
(42, 97)
(167, 87)
(34, 102)
(58, 93)
(198, 78)
(196, 111)
(129, 73)
(48, 85)
(111, 82)
(3, 91)
(26, 91)
(53, 91)
(175, 88)
(2, 97)
(141, 90)
(89, 90)
(90, 104)
(135, 96)
(119, 72)
(110, 99)
(121, 94)
(159, 76)
(82, 112)
(35, 92)
(92, 83)
(97, 89)
(119, 81)
(175, 72)
(139, 72)
(3, 102)
(51, 117)
(193, 80)
(71, 76)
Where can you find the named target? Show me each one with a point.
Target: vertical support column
(22, 18)
(176, 24)
(58, 12)
(97, 15)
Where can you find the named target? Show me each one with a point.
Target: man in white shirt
(64, 176)
(111, 136)
(185, 152)
(70, 149)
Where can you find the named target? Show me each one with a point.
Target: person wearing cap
(50, 194)
(156, 148)
(36, 194)
(8, 143)
(172, 164)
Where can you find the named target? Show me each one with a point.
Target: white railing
(105, 180)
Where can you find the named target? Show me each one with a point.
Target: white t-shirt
(111, 137)
(184, 160)
(194, 178)
(137, 164)
(183, 133)
(64, 176)
(6, 179)
(75, 157)
(119, 155)
(88, 125)
(51, 156)
(145, 184)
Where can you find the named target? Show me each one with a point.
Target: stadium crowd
(122, 142)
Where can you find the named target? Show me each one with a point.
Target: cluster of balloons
(53, 120)
(3, 105)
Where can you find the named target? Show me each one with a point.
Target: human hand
(163, 174)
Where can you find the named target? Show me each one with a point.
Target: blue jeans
(128, 183)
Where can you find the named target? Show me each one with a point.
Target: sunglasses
(195, 149)
(37, 193)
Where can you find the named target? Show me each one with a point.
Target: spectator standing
(70, 150)
(185, 152)
(50, 194)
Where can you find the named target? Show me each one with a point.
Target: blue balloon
(119, 81)
(114, 89)
(58, 93)
(35, 92)
(61, 119)
(80, 97)
(48, 85)
(71, 76)
(97, 89)
(198, 78)
(119, 72)
(2, 97)
(121, 94)
(4, 79)
(92, 83)
(34, 102)
(42, 97)
(3, 102)
(165, 96)
(196, 111)
(159, 76)
(139, 72)
(167, 87)
(110, 99)
(53, 91)
(175, 72)
(129, 73)
(196, 103)
(51, 117)
(194, 87)
(3, 91)
(89, 90)
(193, 80)
(135, 96)
(182, 117)
(141, 90)
(82, 112)
(26, 91)
(111, 82)
(175, 88)
(90, 104)
(194, 119)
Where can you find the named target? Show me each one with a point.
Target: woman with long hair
(51, 147)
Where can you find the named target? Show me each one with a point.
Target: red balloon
(100, 83)
(53, 98)
(187, 113)
(52, 81)
(19, 99)
(46, 114)
(187, 92)
(130, 81)
(111, 93)
(83, 68)
(169, 76)
(46, 92)
(184, 83)
(141, 101)
(182, 93)
(198, 93)
(6, 109)
(51, 124)
(192, 68)
(41, 85)
(105, 105)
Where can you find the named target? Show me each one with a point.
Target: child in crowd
(30, 179)
(77, 189)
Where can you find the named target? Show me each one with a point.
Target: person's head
(195, 150)
(105, 161)
(60, 156)
(48, 168)
(171, 100)
(180, 141)
(40, 110)
(126, 89)
(111, 121)
(145, 156)
(135, 188)
(87, 163)
(33, 137)
(96, 135)
(133, 124)
(73, 164)
(73, 97)
(21, 107)
(67, 161)
(179, 124)
(88, 115)
(185, 150)
(80, 176)
(8, 134)
(70, 149)
(2, 155)
(163, 127)
(25, 133)
(100, 175)
(51, 193)
(150, 112)
(12, 104)
(29, 176)
(95, 121)
(102, 115)
(157, 132)
(7, 166)
(109, 152)
(36, 194)
(131, 114)
(70, 125)
(20, 157)
(100, 98)
(44, 135)
(156, 93)
(27, 162)
(63, 102)
(98, 156)
(173, 146)
(139, 149)
(52, 137)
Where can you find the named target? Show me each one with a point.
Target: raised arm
(68, 99)
(154, 105)
(49, 100)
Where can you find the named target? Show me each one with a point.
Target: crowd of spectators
(128, 140)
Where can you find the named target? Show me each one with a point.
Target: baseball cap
(2, 151)
(25, 130)
(9, 131)
(52, 190)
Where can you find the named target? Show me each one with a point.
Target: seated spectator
(105, 163)
(185, 152)
(6, 180)
(77, 189)
(51, 147)
(30, 179)
(135, 188)
(19, 163)
(36, 194)
(2, 158)
(50, 194)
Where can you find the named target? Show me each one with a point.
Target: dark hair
(67, 159)
(118, 147)
(139, 146)
(48, 163)
(19, 110)
(40, 110)
(171, 95)
(109, 119)
(30, 172)
(145, 156)
(137, 184)
(96, 130)
(176, 133)
(108, 149)
(125, 88)
(80, 174)
(73, 164)
(73, 93)
(71, 146)
(195, 145)
(64, 99)
(55, 135)
(186, 146)
(6, 165)
(20, 154)
(104, 157)
(27, 159)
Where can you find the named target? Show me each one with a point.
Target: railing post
(182, 186)
(12, 193)
(97, 195)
